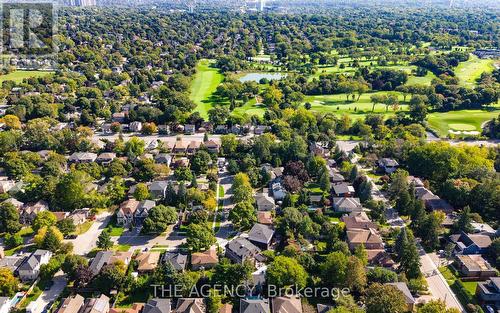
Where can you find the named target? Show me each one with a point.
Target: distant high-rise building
(80, 3)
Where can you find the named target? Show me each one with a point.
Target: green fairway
(464, 120)
(472, 69)
(203, 86)
(18, 76)
(250, 108)
(416, 80)
(339, 104)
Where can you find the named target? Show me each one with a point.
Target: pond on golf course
(256, 77)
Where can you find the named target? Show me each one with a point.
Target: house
(264, 202)
(254, 306)
(212, 146)
(5, 304)
(142, 211)
(343, 190)
(147, 261)
(177, 260)
(193, 147)
(118, 117)
(260, 129)
(106, 158)
(101, 258)
(264, 217)
(422, 193)
(226, 308)
(286, 305)
(157, 305)
(158, 189)
(96, 305)
(220, 129)
(367, 237)
(388, 165)
(179, 147)
(380, 257)
(125, 214)
(30, 211)
(163, 158)
(483, 229)
(6, 185)
(316, 201)
(347, 205)
(261, 235)
(121, 257)
(438, 204)
(190, 305)
(323, 308)
(204, 260)
(278, 191)
(189, 129)
(357, 220)
(488, 292)
(135, 308)
(415, 181)
(71, 304)
(240, 249)
(16, 203)
(473, 265)
(79, 216)
(135, 126)
(471, 243)
(60, 215)
(181, 162)
(336, 178)
(410, 301)
(12, 262)
(30, 268)
(82, 157)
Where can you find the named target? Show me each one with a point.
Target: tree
(231, 274)
(408, 255)
(8, 283)
(13, 240)
(71, 264)
(149, 128)
(159, 218)
(200, 237)
(48, 270)
(243, 216)
(418, 108)
(381, 275)
(183, 173)
(334, 269)
(134, 147)
(66, 226)
(361, 254)
(200, 161)
(436, 306)
(355, 274)
(430, 230)
(463, 223)
(214, 302)
(384, 299)
(104, 240)
(141, 192)
(73, 190)
(285, 271)
(49, 238)
(111, 276)
(83, 275)
(354, 174)
(9, 218)
(242, 189)
(324, 181)
(116, 190)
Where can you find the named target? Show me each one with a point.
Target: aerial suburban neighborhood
(253, 157)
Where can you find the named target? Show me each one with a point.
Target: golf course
(203, 86)
(18, 76)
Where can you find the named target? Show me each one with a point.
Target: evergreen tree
(464, 221)
(410, 259)
(400, 243)
(417, 215)
(104, 240)
(170, 195)
(324, 181)
(365, 191)
(354, 174)
(404, 203)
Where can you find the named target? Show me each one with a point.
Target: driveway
(49, 296)
(84, 243)
(438, 287)
(138, 241)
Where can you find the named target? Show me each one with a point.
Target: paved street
(84, 243)
(49, 296)
(438, 287)
(225, 229)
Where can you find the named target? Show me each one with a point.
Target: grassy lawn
(115, 230)
(18, 76)
(221, 191)
(82, 228)
(250, 108)
(204, 84)
(314, 188)
(26, 231)
(470, 286)
(425, 80)
(472, 69)
(356, 109)
(464, 120)
(120, 247)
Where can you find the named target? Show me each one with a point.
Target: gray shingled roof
(101, 259)
(261, 233)
(177, 260)
(157, 305)
(254, 306)
(33, 260)
(242, 247)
